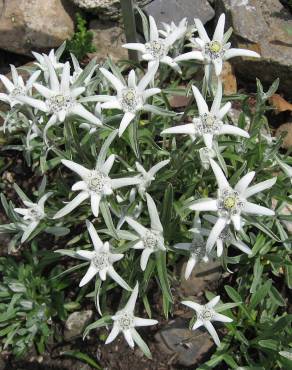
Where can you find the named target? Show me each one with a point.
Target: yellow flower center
(215, 46)
(229, 202)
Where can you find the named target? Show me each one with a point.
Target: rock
(76, 323)
(287, 141)
(265, 27)
(203, 276)
(229, 79)
(105, 9)
(34, 25)
(187, 346)
(175, 10)
(108, 40)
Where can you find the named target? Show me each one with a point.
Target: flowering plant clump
(111, 168)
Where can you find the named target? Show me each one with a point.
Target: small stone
(203, 276)
(76, 324)
(34, 25)
(188, 347)
(287, 128)
(175, 10)
(108, 40)
(228, 79)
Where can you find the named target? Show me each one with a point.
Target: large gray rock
(108, 39)
(186, 346)
(263, 26)
(34, 24)
(105, 9)
(175, 10)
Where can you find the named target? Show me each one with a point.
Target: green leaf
(162, 275)
(269, 343)
(81, 356)
(106, 214)
(260, 294)
(232, 293)
(104, 321)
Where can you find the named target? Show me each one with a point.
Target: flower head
(96, 183)
(41, 61)
(125, 322)
(32, 215)
(197, 248)
(210, 122)
(101, 260)
(150, 240)
(215, 51)
(60, 98)
(231, 203)
(131, 98)
(206, 314)
(157, 48)
(17, 87)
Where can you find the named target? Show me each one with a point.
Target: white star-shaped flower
(150, 240)
(125, 322)
(131, 98)
(157, 49)
(32, 215)
(179, 29)
(206, 314)
(147, 177)
(41, 61)
(95, 184)
(101, 260)
(60, 98)
(210, 122)
(197, 248)
(215, 51)
(230, 203)
(17, 87)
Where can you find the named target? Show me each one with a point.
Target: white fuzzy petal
(257, 210)
(97, 243)
(145, 257)
(220, 177)
(72, 205)
(91, 272)
(261, 186)
(201, 103)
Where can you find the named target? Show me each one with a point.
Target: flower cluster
(112, 185)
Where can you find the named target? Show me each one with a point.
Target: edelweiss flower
(101, 260)
(60, 99)
(16, 88)
(226, 237)
(32, 215)
(157, 49)
(54, 59)
(232, 202)
(147, 177)
(96, 184)
(151, 240)
(209, 123)
(215, 51)
(206, 314)
(181, 29)
(130, 98)
(197, 248)
(125, 322)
